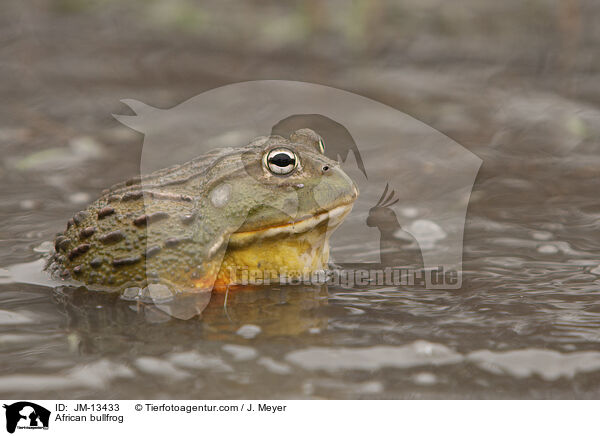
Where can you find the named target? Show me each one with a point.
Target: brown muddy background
(515, 82)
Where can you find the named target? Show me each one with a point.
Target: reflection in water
(103, 321)
(290, 310)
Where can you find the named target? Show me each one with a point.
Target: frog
(265, 208)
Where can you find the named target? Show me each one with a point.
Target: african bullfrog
(268, 207)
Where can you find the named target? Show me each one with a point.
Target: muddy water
(525, 324)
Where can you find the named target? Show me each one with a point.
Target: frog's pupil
(282, 160)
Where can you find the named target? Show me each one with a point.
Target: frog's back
(139, 229)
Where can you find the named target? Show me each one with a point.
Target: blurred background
(516, 82)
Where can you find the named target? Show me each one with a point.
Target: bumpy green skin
(175, 224)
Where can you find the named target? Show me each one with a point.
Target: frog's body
(269, 206)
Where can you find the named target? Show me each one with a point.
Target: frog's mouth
(333, 218)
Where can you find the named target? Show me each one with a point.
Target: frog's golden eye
(281, 161)
(321, 146)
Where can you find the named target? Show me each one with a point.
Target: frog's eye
(321, 146)
(281, 161)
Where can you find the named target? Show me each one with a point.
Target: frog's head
(284, 199)
(294, 182)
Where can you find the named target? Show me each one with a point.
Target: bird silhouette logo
(398, 248)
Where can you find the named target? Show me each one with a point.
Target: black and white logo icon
(26, 415)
